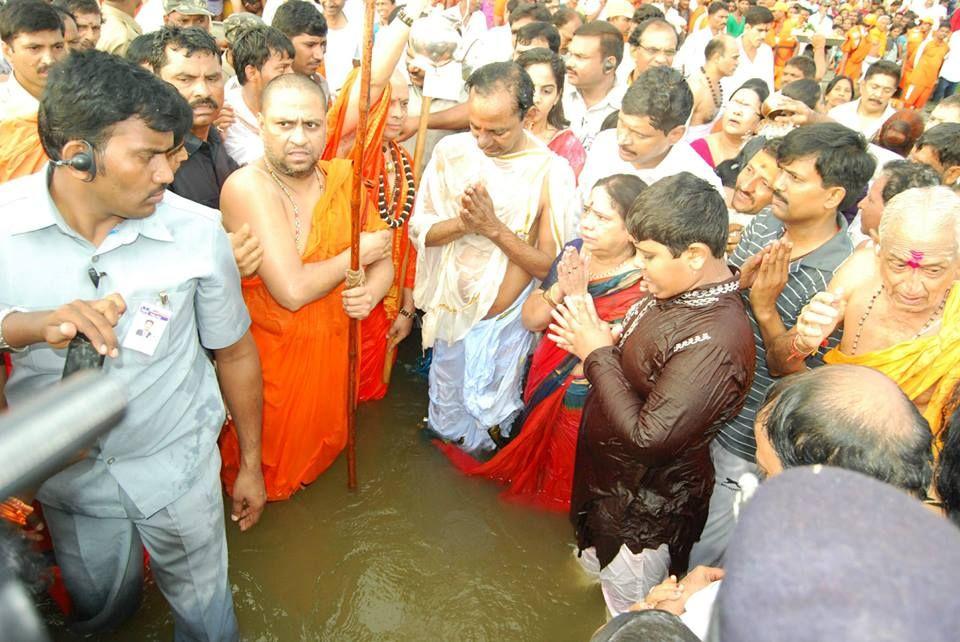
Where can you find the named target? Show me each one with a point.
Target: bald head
(723, 54)
(291, 82)
(845, 416)
(922, 214)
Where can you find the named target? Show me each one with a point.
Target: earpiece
(82, 162)
(608, 66)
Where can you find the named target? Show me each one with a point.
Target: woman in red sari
(537, 464)
(545, 119)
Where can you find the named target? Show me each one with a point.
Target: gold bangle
(405, 313)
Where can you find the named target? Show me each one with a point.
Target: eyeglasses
(653, 52)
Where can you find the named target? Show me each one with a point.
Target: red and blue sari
(537, 464)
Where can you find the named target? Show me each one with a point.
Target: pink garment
(565, 144)
(701, 147)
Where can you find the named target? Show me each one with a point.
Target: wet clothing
(304, 359)
(643, 473)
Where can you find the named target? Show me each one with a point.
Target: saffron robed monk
(299, 206)
(899, 303)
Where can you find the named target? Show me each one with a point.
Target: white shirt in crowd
(586, 122)
(950, 70)
(603, 160)
(242, 139)
(760, 67)
(691, 57)
(15, 100)
(343, 47)
(846, 114)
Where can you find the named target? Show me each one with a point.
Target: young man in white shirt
(648, 140)
(343, 43)
(259, 56)
(592, 92)
(756, 56)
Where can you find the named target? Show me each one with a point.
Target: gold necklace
(293, 203)
(612, 271)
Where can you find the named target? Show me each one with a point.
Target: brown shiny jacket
(643, 474)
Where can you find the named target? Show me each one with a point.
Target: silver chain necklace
(293, 203)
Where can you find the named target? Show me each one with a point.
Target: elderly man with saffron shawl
(493, 210)
(899, 302)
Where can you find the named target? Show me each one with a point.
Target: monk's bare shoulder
(856, 271)
(248, 194)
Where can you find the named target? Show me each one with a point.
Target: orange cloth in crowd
(698, 19)
(784, 44)
(373, 348)
(20, 151)
(499, 11)
(922, 77)
(878, 42)
(855, 49)
(918, 366)
(303, 355)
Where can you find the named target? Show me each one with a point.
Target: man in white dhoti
(493, 210)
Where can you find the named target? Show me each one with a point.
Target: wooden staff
(358, 202)
(421, 136)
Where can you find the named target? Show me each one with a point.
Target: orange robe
(924, 73)
(373, 329)
(855, 49)
(784, 44)
(20, 151)
(303, 355)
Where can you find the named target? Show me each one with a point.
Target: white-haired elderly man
(899, 302)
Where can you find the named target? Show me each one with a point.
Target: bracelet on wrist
(404, 17)
(405, 313)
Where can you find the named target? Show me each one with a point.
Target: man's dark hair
(141, 50)
(716, 7)
(822, 416)
(256, 46)
(806, 66)
(905, 174)
(646, 12)
(81, 101)
(541, 56)
(611, 40)
(678, 211)
(841, 156)
(537, 12)
(883, 68)
(27, 16)
(945, 141)
(610, 120)
(64, 14)
(715, 47)
(504, 76)
(79, 7)
(805, 90)
(539, 31)
(623, 190)
(191, 40)
(661, 94)
(562, 16)
(637, 34)
(298, 17)
(948, 469)
(757, 16)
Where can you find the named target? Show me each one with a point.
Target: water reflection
(419, 553)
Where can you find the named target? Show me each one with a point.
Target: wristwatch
(4, 313)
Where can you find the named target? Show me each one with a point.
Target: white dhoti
(475, 382)
(629, 576)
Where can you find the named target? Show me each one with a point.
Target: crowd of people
(653, 252)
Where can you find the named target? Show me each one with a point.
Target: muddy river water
(419, 552)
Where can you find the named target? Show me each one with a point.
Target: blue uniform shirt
(179, 257)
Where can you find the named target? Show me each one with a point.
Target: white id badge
(148, 326)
